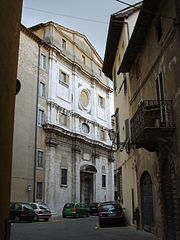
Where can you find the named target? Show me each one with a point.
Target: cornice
(59, 130)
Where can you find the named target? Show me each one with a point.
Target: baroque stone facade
(79, 165)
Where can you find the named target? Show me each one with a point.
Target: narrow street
(74, 229)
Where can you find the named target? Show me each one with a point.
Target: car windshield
(111, 208)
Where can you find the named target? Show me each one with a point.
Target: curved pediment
(88, 168)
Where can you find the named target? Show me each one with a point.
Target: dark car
(21, 212)
(41, 210)
(94, 208)
(75, 210)
(111, 214)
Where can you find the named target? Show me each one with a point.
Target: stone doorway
(87, 184)
(147, 209)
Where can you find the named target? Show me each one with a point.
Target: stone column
(75, 171)
(50, 177)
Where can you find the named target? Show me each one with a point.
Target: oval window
(85, 128)
(84, 98)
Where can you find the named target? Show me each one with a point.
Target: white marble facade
(77, 122)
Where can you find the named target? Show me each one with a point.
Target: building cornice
(65, 132)
(34, 37)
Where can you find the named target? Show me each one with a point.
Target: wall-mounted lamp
(126, 145)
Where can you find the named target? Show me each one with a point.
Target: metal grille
(152, 114)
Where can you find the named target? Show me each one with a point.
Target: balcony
(153, 124)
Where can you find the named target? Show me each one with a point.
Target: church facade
(79, 160)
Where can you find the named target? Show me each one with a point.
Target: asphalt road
(74, 229)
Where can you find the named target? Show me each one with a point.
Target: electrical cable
(64, 15)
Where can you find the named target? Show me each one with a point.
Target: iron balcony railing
(152, 114)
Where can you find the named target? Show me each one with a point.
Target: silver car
(41, 210)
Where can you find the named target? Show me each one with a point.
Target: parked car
(41, 211)
(94, 208)
(110, 214)
(75, 210)
(21, 212)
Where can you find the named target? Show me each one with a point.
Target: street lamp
(126, 145)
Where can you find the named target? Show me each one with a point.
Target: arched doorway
(147, 203)
(87, 183)
(168, 203)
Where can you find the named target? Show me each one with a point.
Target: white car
(41, 210)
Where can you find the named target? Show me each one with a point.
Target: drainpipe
(36, 123)
(128, 34)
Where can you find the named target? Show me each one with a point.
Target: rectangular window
(127, 129)
(63, 121)
(125, 83)
(40, 159)
(83, 59)
(39, 190)
(41, 117)
(63, 77)
(101, 101)
(102, 135)
(63, 176)
(63, 44)
(42, 89)
(117, 127)
(100, 72)
(114, 80)
(103, 181)
(43, 61)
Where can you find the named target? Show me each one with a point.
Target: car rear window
(69, 205)
(28, 206)
(111, 208)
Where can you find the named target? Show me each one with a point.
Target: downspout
(36, 123)
(128, 34)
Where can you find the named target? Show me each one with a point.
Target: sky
(89, 17)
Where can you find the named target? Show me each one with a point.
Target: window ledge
(64, 185)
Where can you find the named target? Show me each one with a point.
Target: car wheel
(77, 215)
(46, 219)
(36, 218)
(17, 219)
(63, 216)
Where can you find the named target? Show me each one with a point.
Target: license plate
(112, 214)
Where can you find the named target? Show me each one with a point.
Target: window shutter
(103, 102)
(127, 128)
(105, 135)
(60, 118)
(67, 121)
(99, 133)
